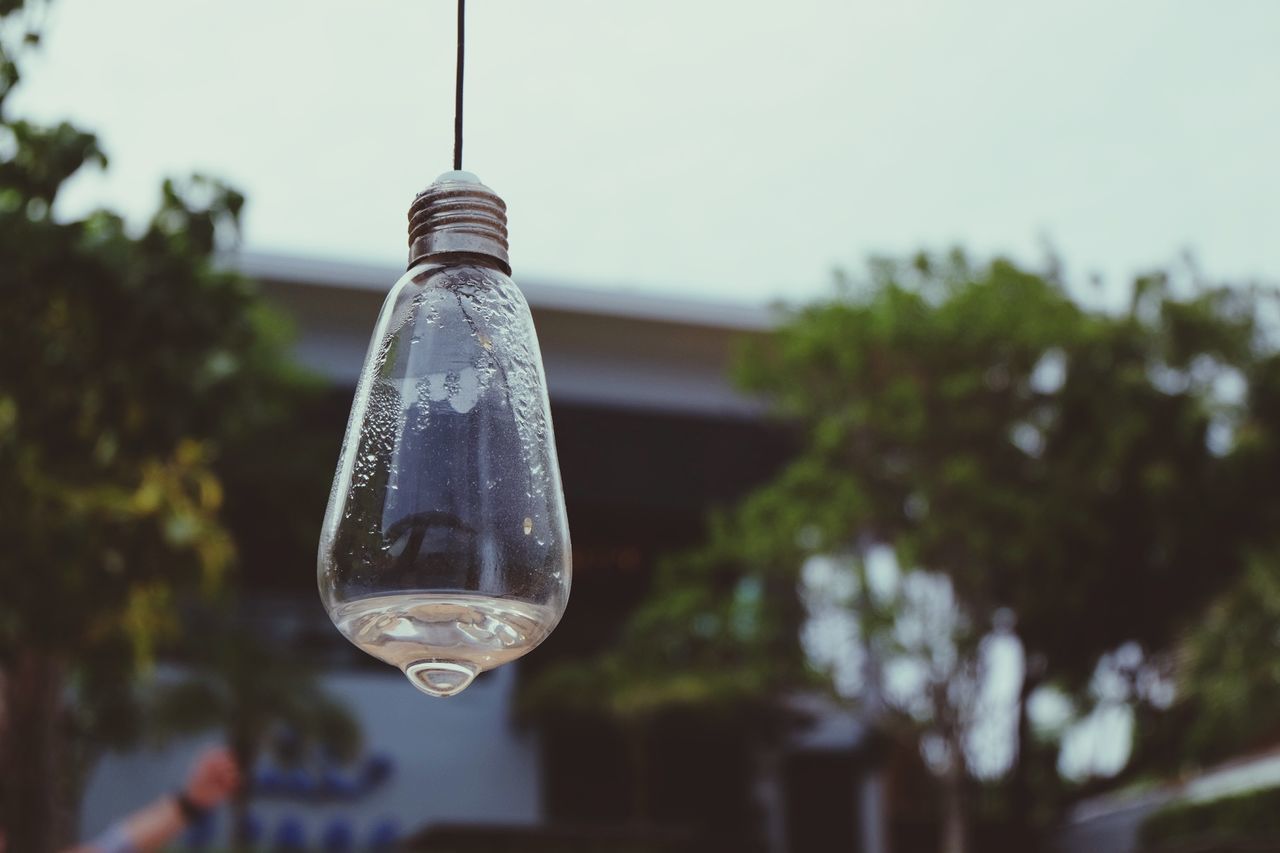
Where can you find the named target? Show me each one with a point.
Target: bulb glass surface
(445, 547)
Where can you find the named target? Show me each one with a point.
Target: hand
(213, 777)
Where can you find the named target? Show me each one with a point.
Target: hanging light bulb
(445, 549)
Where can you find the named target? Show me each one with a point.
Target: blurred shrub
(1243, 822)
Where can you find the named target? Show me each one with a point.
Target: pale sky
(736, 150)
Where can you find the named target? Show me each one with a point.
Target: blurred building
(651, 435)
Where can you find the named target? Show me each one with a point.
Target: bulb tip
(456, 176)
(440, 678)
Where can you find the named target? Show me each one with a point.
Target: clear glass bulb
(445, 548)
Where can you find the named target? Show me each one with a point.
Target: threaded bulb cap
(458, 215)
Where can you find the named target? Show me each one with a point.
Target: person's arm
(212, 779)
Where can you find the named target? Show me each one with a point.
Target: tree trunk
(35, 783)
(1021, 796)
(954, 837)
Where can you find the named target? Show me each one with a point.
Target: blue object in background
(330, 781)
(339, 836)
(377, 769)
(269, 781)
(384, 836)
(290, 836)
(334, 783)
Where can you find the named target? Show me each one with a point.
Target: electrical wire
(457, 98)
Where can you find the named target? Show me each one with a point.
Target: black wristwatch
(191, 811)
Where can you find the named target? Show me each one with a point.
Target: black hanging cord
(457, 98)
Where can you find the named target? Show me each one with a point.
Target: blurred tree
(1230, 673)
(1226, 669)
(1070, 468)
(1223, 696)
(1053, 462)
(128, 364)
